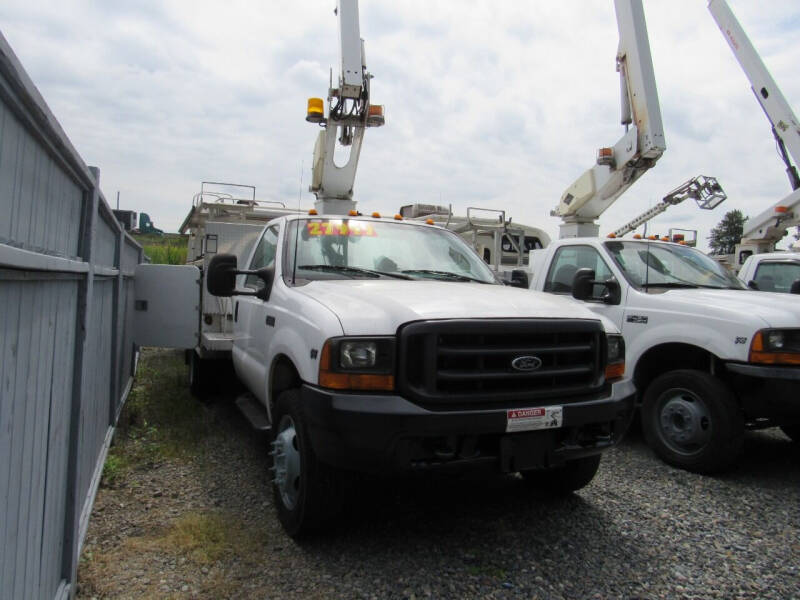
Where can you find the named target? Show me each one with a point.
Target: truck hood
(380, 307)
(773, 309)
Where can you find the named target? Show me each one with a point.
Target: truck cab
(709, 357)
(386, 345)
(772, 272)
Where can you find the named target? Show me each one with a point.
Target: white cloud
(496, 104)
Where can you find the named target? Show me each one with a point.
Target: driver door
(252, 326)
(566, 262)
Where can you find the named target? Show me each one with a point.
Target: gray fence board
(66, 351)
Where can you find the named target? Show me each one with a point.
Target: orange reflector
(605, 152)
(781, 209)
(398, 217)
(637, 236)
(429, 221)
(312, 211)
(612, 235)
(353, 213)
(681, 242)
(615, 371)
(652, 237)
(665, 239)
(376, 215)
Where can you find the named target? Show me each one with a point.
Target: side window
(776, 277)
(263, 256)
(567, 261)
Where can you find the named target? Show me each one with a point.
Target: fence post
(116, 312)
(80, 377)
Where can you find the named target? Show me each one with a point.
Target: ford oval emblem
(526, 363)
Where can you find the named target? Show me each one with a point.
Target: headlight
(358, 354)
(615, 356)
(776, 347)
(348, 363)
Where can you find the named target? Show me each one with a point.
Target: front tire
(570, 477)
(307, 493)
(691, 420)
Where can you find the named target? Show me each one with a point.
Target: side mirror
(519, 278)
(752, 284)
(267, 275)
(583, 285)
(221, 275)
(795, 289)
(613, 293)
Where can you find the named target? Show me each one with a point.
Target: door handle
(236, 313)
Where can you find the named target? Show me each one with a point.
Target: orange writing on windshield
(318, 228)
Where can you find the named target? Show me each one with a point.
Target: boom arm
(349, 114)
(705, 190)
(763, 231)
(642, 145)
(785, 126)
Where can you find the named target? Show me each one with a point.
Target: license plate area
(534, 419)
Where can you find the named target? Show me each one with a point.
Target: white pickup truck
(708, 356)
(772, 272)
(386, 345)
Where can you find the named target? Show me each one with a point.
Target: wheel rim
(286, 462)
(684, 422)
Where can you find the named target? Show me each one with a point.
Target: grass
(167, 249)
(160, 420)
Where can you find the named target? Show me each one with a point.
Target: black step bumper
(372, 432)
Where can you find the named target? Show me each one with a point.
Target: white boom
(638, 150)
(763, 231)
(704, 190)
(349, 114)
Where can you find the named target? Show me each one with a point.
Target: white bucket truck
(709, 357)
(381, 344)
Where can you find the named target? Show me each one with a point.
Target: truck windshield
(325, 248)
(658, 265)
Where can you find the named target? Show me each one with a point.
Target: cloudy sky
(491, 104)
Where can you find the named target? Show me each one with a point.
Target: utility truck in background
(765, 230)
(705, 191)
(618, 167)
(709, 357)
(386, 344)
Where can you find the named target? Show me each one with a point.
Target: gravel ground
(640, 530)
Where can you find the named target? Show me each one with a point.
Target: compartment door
(166, 306)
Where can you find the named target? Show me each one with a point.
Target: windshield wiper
(671, 284)
(355, 270)
(447, 274)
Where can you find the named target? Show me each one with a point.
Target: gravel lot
(205, 528)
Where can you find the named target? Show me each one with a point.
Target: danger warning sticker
(530, 419)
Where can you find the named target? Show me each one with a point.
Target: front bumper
(380, 432)
(767, 393)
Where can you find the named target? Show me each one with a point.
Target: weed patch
(160, 421)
